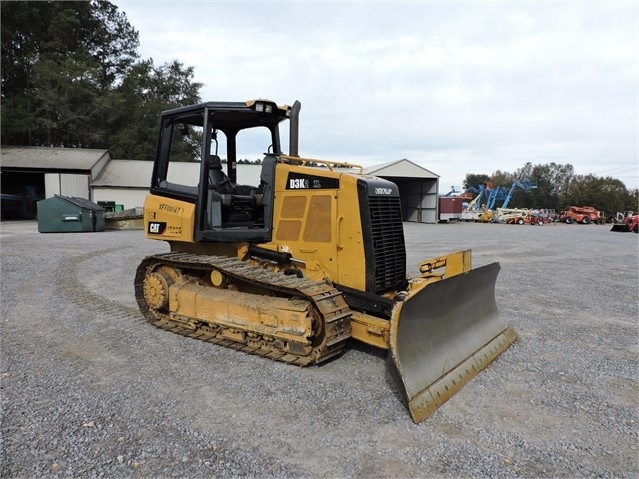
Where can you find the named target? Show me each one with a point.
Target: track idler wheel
(156, 289)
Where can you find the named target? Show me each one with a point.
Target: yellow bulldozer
(294, 267)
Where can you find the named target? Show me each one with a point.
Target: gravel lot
(91, 390)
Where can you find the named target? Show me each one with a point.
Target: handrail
(329, 164)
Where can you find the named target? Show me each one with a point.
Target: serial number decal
(170, 209)
(156, 227)
(297, 181)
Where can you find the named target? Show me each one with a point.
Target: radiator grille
(388, 242)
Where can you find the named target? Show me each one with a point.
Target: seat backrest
(217, 178)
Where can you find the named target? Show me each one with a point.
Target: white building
(38, 173)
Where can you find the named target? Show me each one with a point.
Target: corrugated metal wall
(51, 184)
(127, 197)
(65, 184)
(419, 199)
(131, 197)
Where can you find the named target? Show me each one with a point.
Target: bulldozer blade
(621, 228)
(444, 334)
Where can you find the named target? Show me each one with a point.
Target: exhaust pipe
(293, 142)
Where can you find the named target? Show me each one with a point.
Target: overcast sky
(456, 87)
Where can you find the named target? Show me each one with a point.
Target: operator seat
(218, 179)
(226, 207)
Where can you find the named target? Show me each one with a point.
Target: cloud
(457, 87)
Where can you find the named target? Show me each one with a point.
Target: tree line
(557, 187)
(72, 77)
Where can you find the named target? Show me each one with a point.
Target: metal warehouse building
(418, 189)
(123, 182)
(30, 174)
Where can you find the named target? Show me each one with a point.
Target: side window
(185, 155)
(218, 146)
(183, 169)
(252, 144)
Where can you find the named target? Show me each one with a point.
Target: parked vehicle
(581, 214)
(511, 215)
(630, 224)
(450, 208)
(530, 217)
(483, 208)
(294, 267)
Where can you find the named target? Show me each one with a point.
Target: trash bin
(109, 206)
(65, 214)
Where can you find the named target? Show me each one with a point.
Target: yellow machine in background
(314, 255)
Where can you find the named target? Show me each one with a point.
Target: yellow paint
(175, 218)
(454, 264)
(320, 227)
(370, 329)
(282, 317)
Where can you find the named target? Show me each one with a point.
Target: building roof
(137, 174)
(126, 173)
(400, 169)
(45, 158)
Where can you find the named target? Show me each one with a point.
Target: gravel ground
(91, 390)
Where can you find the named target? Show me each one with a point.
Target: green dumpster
(109, 206)
(65, 214)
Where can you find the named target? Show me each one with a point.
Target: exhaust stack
(294, 129)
